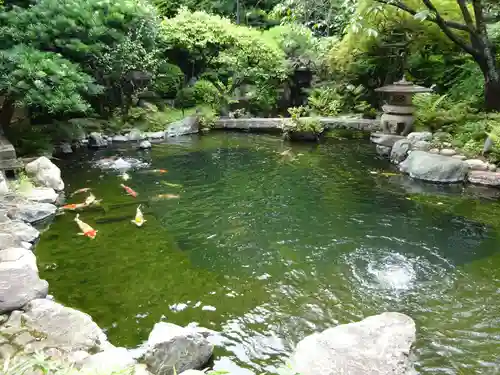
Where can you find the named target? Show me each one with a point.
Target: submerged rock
(436, 168)
(46, 173)
(32, 213)
(188, 125)
(19, 280)
(170, 347)
(97, 140)
(120, 164)
(155, 135)
(487, 178)
(66, 148)
(379, 344)
(63, 327)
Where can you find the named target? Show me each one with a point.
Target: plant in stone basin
(299, 128)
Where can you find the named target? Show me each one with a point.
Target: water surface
(268, 249)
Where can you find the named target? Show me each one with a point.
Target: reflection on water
(267, 251)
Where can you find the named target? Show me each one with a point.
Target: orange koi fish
(74, 206)
(83, 190)
(86, 230)
(129, 190)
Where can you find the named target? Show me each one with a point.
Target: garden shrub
(205, 92)
(168, 81)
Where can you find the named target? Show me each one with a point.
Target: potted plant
(298, 128)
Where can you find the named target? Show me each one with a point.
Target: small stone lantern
(398, 111)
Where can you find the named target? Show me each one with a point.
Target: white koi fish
(139, 217)
(91, 199)
(86, 230)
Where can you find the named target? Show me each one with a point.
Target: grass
(40, 364)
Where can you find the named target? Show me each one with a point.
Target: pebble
(447, 152)
(477, 165)
(434, 151)
(460, 157)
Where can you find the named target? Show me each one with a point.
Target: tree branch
(443, 24)
(479, 15)
(400, 5)
(466, 14)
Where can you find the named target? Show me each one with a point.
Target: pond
(268, 248)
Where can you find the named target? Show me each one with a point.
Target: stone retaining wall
(275, 124)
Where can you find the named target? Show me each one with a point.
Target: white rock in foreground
(477, 164)
(170, 346)
(42, 195)
(46, 173)
(108, 361)
(63, 327)
(377, 345)
(32, 212)
(19, 281)
(436, 168)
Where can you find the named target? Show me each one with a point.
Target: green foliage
(298, 43)
(205, 92)
(185, 98)
(328, 17)
(168, 80)
(44, 81)
(298, 123)
(200, 42)
(438, 112)
(110, 40)
(207, 118)
(330, 100)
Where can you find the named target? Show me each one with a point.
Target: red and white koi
(139, 217)
(129, 190)
(86, 230)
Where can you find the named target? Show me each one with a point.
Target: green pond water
(267, 250)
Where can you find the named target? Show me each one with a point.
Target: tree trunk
(492, 94)
(6, 114)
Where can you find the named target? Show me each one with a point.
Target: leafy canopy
(44, 80)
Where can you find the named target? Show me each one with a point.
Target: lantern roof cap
(403, 87)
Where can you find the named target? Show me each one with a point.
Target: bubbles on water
(388, 273)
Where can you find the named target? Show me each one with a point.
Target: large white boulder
(46, 173)
(173, 349)
(63, 327)
(40, 194)
(377, 345)
(109, 361)
(21, 231)
(436, 168)
(32, 212)
(19, 280)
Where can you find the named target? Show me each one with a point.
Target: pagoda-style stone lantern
(398, 111)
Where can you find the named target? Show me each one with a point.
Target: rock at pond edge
(486, 178)
(435, 168)
(170, 346)
(400, 150)
(379, 344)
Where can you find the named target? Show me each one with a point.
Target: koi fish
(139, 217)
(86, 230)
(125, 176)
(161, 171)
(74, 206)
(129, 190)
(91, 199)
(83, 190)
(170, 184)
(168, 196)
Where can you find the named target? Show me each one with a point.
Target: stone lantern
(398, 111)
